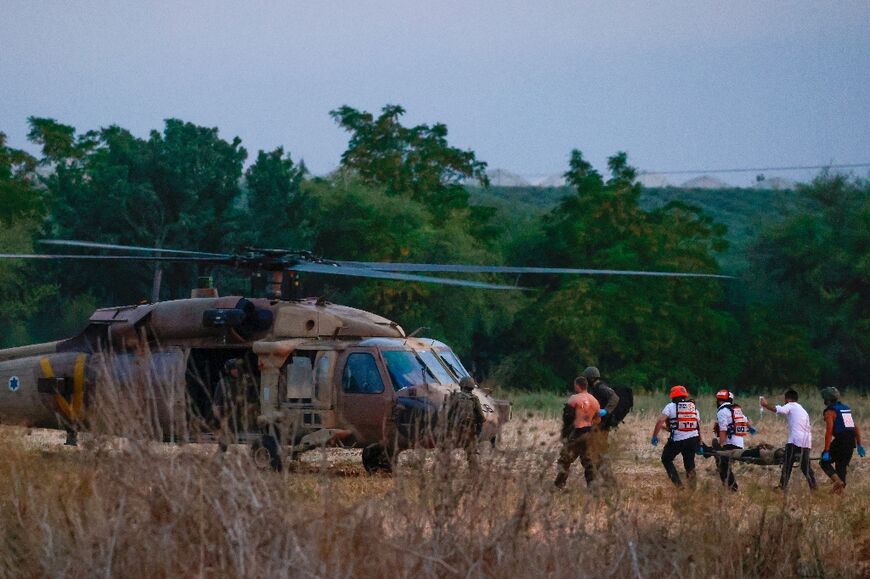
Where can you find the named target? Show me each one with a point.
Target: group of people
(732, 426)
(584, 437)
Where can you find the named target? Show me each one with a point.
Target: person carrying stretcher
(731, 428)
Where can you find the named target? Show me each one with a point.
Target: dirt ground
(61, 506)
(531, 441)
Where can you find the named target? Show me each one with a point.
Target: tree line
(798, 314)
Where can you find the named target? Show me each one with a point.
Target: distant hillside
(520, 201)
(743, 211)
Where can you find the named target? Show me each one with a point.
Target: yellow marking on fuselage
(78, 397)
(47, 371)
(71, 410)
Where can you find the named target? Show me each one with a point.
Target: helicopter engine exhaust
(178, 320)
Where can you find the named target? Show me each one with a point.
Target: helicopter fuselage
(317, 373)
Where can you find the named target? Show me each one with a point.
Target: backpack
(626, 403)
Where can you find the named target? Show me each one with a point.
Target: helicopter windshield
(436, 367)
(406, 369)
(452, 362)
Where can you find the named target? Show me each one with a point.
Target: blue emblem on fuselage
(14, 383)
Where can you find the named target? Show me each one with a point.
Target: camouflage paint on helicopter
(327, 374)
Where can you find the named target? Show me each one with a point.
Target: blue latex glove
(752, 430)
(602, 413)
(826, 456)
(654, 441)
(699, 451)
(861, 452)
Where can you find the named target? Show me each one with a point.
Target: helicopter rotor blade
(456, 268)
(144, 258)
(76, 243)
(339, 269)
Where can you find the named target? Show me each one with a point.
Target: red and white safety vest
(686, 419)
(739, 424)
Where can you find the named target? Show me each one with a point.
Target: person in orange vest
(581, 413)
(683, 420)
(731, 428)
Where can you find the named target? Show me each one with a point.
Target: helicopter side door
(305, 388)
(365, 395)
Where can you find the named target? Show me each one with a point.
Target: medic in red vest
(683, 420)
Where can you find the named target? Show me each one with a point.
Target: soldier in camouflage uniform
(465, 419)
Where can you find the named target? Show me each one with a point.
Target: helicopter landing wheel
(266, 453)
(375, 459)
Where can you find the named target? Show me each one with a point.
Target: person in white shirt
(800, 438)
(731, 427)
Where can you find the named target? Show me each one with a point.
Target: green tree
(814, 269)
(639, 330)
(777, 351)
(415, 162)
(178, 188)
(22, 290)
(275, 215)
(18, 195)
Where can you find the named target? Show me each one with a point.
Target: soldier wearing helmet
(731, 427)
(683, 420)
(842, 435)
(465, 419)
(608, 400)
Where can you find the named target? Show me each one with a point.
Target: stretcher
(762, 454)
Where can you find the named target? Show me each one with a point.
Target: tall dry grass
(134, 507)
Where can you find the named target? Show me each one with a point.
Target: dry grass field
(115, 507)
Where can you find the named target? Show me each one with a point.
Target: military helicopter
(322, 374)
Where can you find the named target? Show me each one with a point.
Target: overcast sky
(678, 85)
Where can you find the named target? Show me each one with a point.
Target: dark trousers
(841, 455)
(793, 453)
(580, 443)
(725, 471)
(687, 449)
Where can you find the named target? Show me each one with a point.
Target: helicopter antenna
(414, 333)
(417, 331)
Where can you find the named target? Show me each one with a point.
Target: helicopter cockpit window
(452, 361)
(406, 369)
(361, 375)
(436, 367)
